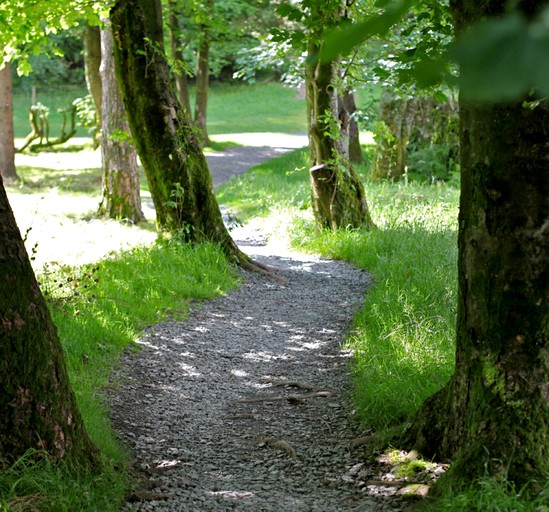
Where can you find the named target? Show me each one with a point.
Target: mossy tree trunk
(92, 63)
(7, 148)
(493, 416)
(179, 179)
(121, 194)
(338, 196)
(203, 74)
(37, 406)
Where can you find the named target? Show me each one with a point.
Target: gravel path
(245, 406)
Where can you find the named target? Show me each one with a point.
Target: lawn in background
(232, 108)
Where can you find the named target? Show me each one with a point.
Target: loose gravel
(246, 405)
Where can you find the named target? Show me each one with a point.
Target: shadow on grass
(41, 179)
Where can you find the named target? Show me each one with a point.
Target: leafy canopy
(25, 25)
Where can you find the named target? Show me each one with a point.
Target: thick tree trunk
(37, 406)
(203, 78)
(178, 175)
(338, 196)
(121, 199)
(92, 63)
(7, 148)
(493, 416)
(181, 81)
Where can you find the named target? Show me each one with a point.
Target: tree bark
(179, 179)
(121, 195)
(37, 406)
(355, 151)
(7, 147)
(338, 196)
(203, 77)
(493, 416)
(92, 63)
(181, 81)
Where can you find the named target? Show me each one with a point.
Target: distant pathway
(256, 148)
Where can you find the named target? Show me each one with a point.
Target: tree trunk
(92, 63)
(411, 125)
(178, 175)
(338, 196)
(355, 151)
(121, 199)
(7, 148)
(397, 117)
(181, 81)
(37, 406)
(203, 77)
(493, 416)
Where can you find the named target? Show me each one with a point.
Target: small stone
(420, 490)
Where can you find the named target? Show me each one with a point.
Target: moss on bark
(493, 417)
(169, 148)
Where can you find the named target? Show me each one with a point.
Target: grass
(237, 108)
(492, 495)
(54, 98)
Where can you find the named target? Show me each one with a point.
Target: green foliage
(85, 113)
(504, 58)
(432, 163)
(25, 26)
(493, 495)
(234, 26)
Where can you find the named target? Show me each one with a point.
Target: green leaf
(341, 40)
(503, 59)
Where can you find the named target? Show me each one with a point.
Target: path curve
(246, 406)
